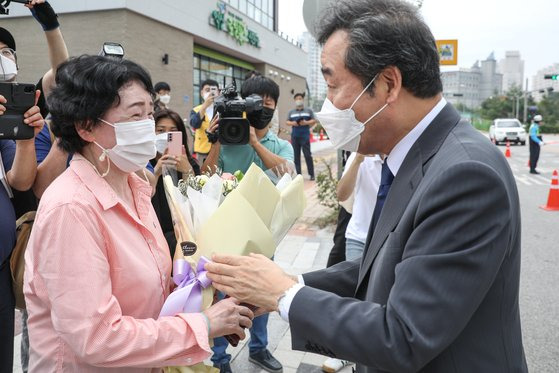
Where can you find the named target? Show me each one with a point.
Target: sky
(481, 27)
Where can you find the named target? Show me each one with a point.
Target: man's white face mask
(8, 69)
(343, 129)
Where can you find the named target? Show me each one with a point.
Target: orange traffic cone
(507, 151)
(553, 199)
(321, 135)
(312, 139)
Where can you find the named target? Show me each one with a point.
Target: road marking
(522, 179)
(545, 180)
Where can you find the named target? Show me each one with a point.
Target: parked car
(503, 130)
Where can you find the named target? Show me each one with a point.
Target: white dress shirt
(395, 160)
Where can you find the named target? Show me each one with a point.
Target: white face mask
(8, 69)
(161, 142)
(343, 128)
(135, 145)
(165, 99)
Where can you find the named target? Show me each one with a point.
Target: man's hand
(208, 101)
(252, 279)
(228, 317)
(253, 139)
(542, 143)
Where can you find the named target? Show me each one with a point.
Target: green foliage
(481, 124)
(327, 185)
(549, 109)
(504, 106)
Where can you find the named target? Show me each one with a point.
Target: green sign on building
(234, 25)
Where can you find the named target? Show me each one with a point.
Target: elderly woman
(97, 265)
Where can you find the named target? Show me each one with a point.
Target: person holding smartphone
(201, 116)
(167, 124)
(18, 167)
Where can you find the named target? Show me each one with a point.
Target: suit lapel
(405, 183)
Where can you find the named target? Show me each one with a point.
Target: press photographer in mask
(266, 150)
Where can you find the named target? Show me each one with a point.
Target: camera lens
(234, 131)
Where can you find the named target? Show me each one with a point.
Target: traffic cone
(507, 151)
(553, 198)
(312, 139)
(321, 135)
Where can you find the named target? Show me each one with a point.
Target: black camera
(233, 128)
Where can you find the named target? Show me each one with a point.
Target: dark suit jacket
(437, 288)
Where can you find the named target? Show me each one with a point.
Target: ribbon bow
(187, 297)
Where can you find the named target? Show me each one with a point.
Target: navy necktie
(385, 182)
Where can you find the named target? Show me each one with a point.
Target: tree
(549, 109)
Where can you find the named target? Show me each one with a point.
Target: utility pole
(525, 102)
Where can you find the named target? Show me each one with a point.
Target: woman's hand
(165, 160)
(183, 165)
(228, 317)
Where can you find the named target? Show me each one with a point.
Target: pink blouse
(96, 278)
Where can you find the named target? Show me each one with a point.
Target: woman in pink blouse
(97, 265)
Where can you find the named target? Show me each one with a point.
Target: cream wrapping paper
(253, 218)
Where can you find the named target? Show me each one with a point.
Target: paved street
(306, 248)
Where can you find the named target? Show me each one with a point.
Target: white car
(503, 130)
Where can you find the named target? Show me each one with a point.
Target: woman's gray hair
(385, 33)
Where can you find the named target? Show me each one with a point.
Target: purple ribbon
(187, 297)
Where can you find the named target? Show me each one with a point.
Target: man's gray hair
(385, 33)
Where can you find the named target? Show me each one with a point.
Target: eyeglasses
(8, 52)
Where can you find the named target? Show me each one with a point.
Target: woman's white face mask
(135, 145)
(343, 129)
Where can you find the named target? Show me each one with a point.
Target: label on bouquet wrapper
(188, 248)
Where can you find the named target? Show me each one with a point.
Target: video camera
(5, 3)
(111, 49)
(233, 128)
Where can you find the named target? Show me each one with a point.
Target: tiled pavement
(304, 249)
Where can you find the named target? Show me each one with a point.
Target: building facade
(491, 82)
(512, 68)
(181, 43)
(317, 84)
(461, 88)
(470, 87)
(541, 86)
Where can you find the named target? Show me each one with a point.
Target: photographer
(17, 172)
(267, 151)
(201, 116)
(264, 149)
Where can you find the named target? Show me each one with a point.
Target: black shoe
(266, 361)
(312, 178)
(534, 172)
(224, 368)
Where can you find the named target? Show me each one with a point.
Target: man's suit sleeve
(460, 237)
(340, 279)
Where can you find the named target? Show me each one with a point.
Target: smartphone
(174, 143)
(20, 98)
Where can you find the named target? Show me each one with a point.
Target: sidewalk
(305, 248)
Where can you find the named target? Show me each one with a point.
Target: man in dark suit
(437, 287)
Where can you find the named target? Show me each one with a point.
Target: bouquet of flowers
(228, 214)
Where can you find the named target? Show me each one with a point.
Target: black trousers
(534, 154)
(337, 254)
(7, 306)
(303, 143)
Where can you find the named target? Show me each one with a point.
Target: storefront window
(222, 72)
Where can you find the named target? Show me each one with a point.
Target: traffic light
(551, 76)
